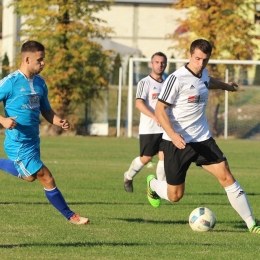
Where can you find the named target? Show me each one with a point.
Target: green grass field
(89, 172)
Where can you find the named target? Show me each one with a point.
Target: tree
(5, 66)
(257, 76)
(229, 26)
(76, 66)
(115, 71)
(172, 66)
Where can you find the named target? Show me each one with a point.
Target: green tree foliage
(172, 65)
(257, 76)
(76, 66)
(229, 26)
(115, 71)
(5, 66)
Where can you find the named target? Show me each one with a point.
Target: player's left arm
(217, 84)
(54, 119)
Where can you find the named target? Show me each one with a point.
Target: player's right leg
(30, 166)
(149, 146)
(173, 188)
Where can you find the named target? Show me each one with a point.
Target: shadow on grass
(93, 244)
(141, 220)
(218, 193)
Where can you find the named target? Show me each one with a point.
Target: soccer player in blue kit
(25, 95)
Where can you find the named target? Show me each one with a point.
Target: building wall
(9, 31)
(143, 26)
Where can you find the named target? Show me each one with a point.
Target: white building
(141, 25)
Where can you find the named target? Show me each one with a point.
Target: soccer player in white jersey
(187, 138)
(150, 131)
(25, 96)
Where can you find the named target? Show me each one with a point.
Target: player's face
(36, 62)
(158, 65)
(198, 61)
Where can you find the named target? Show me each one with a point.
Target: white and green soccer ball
(202, 219)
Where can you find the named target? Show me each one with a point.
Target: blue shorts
(25, 155)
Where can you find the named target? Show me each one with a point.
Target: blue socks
(56, 199)
(8, 166)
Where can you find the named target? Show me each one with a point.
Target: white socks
(160, 171)
(160, 187)
(239, 202)
(135, 167)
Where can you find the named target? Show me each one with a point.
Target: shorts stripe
(22, 168)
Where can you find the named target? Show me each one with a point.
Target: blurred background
(90, 45)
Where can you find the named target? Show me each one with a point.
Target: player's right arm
(160, 112)
(142, 94)
(166, 98)
(6, 90)
(141, 106)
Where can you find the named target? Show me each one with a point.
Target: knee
(175, 197)
(30, 178)
(145, 159)
(226, 180)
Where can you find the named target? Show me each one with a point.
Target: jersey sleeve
(5, 88)
(45, 104)
(142, 89)
(169, 90)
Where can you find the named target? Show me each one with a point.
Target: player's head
(158, 63)
(202, 45)
(33, 54)
(200, 51)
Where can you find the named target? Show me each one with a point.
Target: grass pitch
(89, 172)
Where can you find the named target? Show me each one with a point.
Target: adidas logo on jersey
(22, 89)
(192, 87)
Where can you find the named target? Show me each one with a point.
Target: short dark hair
(159, 54)
(202, 45)
(32, 46)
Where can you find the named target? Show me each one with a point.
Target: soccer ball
(202, 219)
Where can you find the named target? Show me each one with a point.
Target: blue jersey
(24, 98)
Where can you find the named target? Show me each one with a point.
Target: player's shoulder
(10, 78)
(145, 79)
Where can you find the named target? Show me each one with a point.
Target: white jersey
(148, 89)
(187, 95)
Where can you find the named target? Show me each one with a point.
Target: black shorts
(177, 161)
(150, 144)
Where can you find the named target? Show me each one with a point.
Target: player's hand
(232, 86)
(9, 122)
(178, 141)
(156, 120)
(65, 125)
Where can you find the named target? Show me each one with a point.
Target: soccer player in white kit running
(150, 131)
(187, 138)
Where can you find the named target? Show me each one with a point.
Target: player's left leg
(149, 146)
(55, 197)
(236, 195)
(213, 160)
(8, 166)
